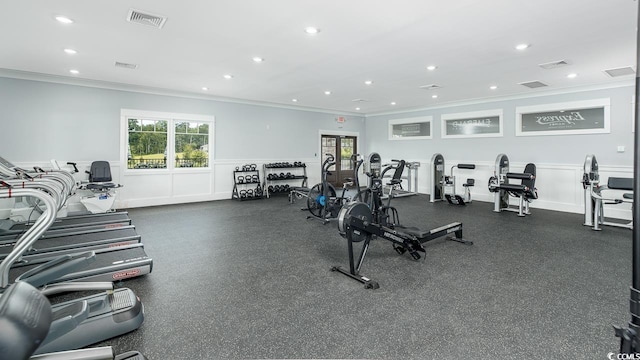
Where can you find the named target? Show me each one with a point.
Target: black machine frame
(361, 221)
(630, 336)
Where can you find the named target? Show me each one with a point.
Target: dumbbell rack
(249, 185)
(273, 179)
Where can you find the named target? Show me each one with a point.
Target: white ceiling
(389, 42)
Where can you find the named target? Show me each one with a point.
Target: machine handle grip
(522, 176)
(75, 167)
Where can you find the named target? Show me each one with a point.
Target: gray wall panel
(42, 120)
(557, 149)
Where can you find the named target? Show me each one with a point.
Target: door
(341, 147)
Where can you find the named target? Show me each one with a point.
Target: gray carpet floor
(252, 280)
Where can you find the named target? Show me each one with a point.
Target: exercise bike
(322, 201)
(361, 221)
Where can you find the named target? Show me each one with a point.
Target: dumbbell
(253, 166)
(255, 178)
(248, 178)
(243, 194)
(250, 193)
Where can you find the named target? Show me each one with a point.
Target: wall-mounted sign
(579, 117)
(410, 128)
(486, 123)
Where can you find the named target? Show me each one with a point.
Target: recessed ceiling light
(327, 92)
(311, 30)
(358, 108)
(393, 103)
(294, 100)
(522, 46)
(70, 51)
(493, 87)
(204, 88)
(572, 75)
(227, 76)
(431, 67)
(434, 96)
(64, 19)
(74, 71)
(258, 59)
(368, 82)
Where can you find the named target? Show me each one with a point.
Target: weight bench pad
(616, 183)
(413, 231)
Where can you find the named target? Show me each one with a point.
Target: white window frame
(584, 104)
(171, 118)
(471, 115)
(413, 120)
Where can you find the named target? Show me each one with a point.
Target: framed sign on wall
(411, 128)
(486, 123)
(570, 118)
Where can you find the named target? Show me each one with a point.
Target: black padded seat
(627, 196)
(396, 179)
(100, 172)
(25, 318)
(413, 231)
(469, 183)
(100, 186)
(616, 183)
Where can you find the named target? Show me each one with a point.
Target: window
(192, 144)
(165, 140)
(410, 128)
(147, 145)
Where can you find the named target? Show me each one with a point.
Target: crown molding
(569, 90)
(65, 80)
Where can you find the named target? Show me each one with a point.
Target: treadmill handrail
(32, 235)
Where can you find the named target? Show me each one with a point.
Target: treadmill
(9, 169)
(48, 247)
(110, 264)
(79, 322)
(105, 220)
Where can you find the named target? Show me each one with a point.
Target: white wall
(559, 158)
(45, 120)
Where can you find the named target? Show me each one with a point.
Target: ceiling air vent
(554, 64)
(145, 18)
(533, 84)
(359, 100)
(126, 66)
(623, 71)
(430, 87)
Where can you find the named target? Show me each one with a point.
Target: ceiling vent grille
(623, 71)
(533, 84)
(430, 87)
(145, 18)
(126, 66)
(554, 64)
(359, 100)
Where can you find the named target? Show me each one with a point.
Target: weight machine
(411, 177)
(444, 186)
(594, 195)
(437, 178)
(501, 188)
(361, 221)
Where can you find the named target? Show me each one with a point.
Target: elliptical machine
(361, 221)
